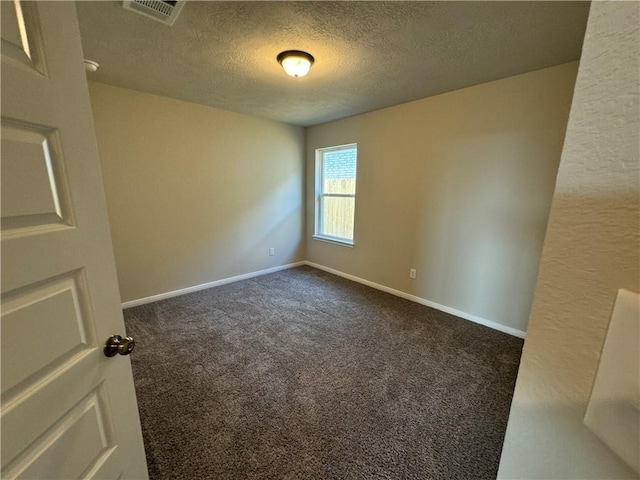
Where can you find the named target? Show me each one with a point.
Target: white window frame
(319, 194)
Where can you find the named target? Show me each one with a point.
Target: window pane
(339, 171)
(337, 216)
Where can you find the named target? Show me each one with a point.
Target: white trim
(203, 286)
(377, 286)
(319, 193)
(422, 301)
(338, 195)
(334, 240)
(336, 148)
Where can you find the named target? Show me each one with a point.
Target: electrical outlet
(412, 273)
(272, 252)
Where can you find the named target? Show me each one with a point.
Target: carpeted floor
(304, 375)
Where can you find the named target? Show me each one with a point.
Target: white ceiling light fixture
(295, 62)
(90, 65)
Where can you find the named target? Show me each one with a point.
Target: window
(336, 193)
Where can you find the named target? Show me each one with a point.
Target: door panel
(34, 190)
(21, 35)
(87, 427)
(67, 410)
(46, 320)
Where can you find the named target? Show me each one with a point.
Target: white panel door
(68, 411)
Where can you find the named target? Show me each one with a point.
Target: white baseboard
(203, 286)
(428, 303)
(377, 286)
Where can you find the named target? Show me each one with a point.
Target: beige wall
(195, 194)
(457, 186)
(592, 248)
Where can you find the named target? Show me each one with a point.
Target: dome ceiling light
(90, 65)
(295, 62)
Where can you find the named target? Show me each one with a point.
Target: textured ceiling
(369, 55)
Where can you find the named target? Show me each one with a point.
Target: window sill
(342, 243)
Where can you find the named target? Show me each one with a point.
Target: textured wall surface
(195, 194)
(592, 248)
(369, 55)
(459, 187)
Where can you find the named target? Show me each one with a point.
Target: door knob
(116, 344)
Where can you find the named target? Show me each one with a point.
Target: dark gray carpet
(304, 375)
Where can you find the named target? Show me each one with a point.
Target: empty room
(309, 240)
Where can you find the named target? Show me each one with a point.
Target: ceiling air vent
(164, 11)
